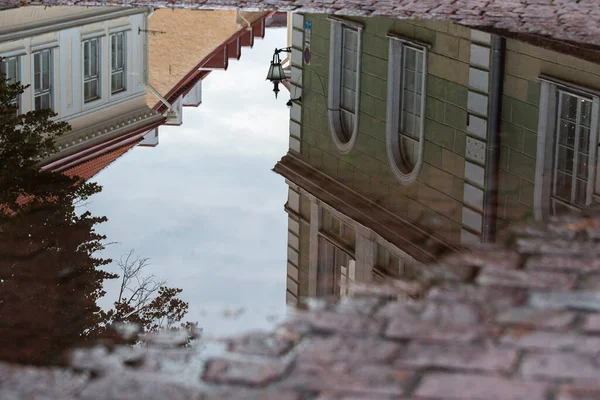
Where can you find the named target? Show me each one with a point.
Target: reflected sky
(204, 205)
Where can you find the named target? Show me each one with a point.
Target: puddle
(374, 146)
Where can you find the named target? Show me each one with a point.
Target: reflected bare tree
(145, 299)
(51, 276)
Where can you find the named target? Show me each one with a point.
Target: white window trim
(93, 35)
(19, 99)
(335, 79)
(14, 53)
(44, 46)
(545, 154)
(117, 29)
(129, 89)
(126, 83)
(52, 78)
(99, 99)
(394, 95)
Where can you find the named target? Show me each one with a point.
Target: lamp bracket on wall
(150, 31)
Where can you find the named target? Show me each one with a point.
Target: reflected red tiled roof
(218, 56)
(90, 168)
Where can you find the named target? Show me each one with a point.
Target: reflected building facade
(89, 66)
(117, 74)
(414, 138)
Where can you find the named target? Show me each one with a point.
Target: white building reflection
(86, 64)
(116, 74)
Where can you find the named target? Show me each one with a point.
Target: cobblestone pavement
(517, 320)
(571, 20)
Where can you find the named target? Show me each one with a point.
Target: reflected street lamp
(276, 74)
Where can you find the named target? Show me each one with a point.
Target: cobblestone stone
(436, 312)
(582, 300)
(349, 350)
(561, 263)
(262, 344)
(253, 394)
(559, 247)
(592, 323)
(469, 358)
(349, 377)
(429, 331)
(553, 319)
(360, 306)
(101, 360)
(501, 259)
(551, 341)
(560, 366)
(341, 323)
(388, 289)
(589, 282)
(131, 385)
(447, 270)
(579, 392)
(345, 396)
(491, 297)
(40, 384)
(526, 279)
(221, 370)
(459, 386)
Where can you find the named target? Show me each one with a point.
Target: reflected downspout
(490, 206)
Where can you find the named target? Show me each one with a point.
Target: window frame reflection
(118, 61)
(91, 79)
(42, 79)
(405, 147)
(572, 187)
(14, 77)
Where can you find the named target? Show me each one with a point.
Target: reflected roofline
(94, 151)
(197, 73)
(420, 244)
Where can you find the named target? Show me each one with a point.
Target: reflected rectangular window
(117, 63)
(337, 229)
(42, 79)
(9, 68)
(336, 269)
(388, 264)
(91, 70)
(572, 171)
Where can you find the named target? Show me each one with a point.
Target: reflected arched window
(407, 70)
(344, 82)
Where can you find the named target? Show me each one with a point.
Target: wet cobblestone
(523, 332)
(569, 20)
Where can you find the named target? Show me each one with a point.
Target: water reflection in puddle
(404, 140)
(203, 205)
